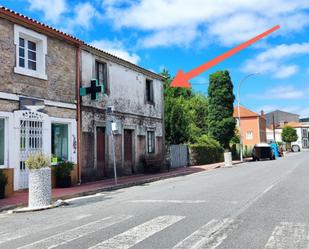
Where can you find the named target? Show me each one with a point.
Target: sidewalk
(21, 198)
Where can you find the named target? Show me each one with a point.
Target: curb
(20, 208)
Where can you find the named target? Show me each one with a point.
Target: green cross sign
(94, 89)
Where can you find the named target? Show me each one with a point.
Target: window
(60, 143)
(101, 74)
(27, 54)
(149, 91)
(151, 142)
(249, 135)
(2, 141)
(305, 133)
(31, 49)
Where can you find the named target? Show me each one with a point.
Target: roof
(41, 27)
(292, 124)
(244, 112)
(277, 111)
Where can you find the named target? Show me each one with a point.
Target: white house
(302, 133)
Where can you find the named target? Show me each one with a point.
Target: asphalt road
(254, 205)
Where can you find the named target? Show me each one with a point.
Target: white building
(302, 133)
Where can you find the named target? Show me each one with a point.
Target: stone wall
(60, 69)
(8, 106)
(93, 117)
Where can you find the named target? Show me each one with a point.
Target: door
(101, 162)
(31, 142)
(128, 151)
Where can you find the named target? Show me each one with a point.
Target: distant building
(280, 117)
(253, 126)
(302, 133)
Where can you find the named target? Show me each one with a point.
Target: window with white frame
(249, 135)
(2, 141)
(60, 141)
(151, 142)
(31, 49)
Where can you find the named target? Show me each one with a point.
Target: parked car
(295, 148)
(262, 151)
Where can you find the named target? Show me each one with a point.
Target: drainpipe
(78, 114)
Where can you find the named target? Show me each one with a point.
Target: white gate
(31, 141)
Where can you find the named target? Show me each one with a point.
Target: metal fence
(178, 156)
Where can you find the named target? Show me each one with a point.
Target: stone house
(253, 126)
(136, 96)
(37, 93)
(42, 70)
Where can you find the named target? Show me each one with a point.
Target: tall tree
(289, 135)
(221, 124)
(176, 118)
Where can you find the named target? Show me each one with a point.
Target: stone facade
(60, 69)
(56, 96)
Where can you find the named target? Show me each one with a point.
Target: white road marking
(170, 201)
(17, 234)
(139, 233)
(75, 233)
(289, 235)
(208, 236)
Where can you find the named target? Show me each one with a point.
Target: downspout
(78, 114)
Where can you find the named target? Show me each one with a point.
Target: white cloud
(273, 61)
(52, 9)
(225, 21)
(116, 48)
(283, 92)
(66, 17)
(83, 15)
(182, 36)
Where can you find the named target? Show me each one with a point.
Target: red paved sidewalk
(21, 198)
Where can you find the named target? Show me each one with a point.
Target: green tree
(289, 135)
(221, 124)
(185, 113)
(175, 117)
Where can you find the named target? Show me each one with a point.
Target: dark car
(262, 151)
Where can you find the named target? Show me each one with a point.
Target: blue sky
(182, 34)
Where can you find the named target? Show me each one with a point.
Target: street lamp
(238, 107)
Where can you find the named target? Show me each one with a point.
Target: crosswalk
(211, 235)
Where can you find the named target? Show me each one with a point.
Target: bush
(63, 169)
(205, 151)
(37, 161)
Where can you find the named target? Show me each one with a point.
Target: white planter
(39, 188)
(228, 159)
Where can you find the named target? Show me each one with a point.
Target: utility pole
(238, 107)
(112, 128)
(274, 129)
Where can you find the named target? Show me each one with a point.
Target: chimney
(262, 113)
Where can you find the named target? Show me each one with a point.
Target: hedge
(205, 154)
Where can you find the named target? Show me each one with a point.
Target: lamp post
(238, 107)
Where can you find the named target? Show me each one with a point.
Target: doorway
(100, 150)
(128, 151)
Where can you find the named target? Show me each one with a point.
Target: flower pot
(39, 187)
(63, 181)
(2, 191)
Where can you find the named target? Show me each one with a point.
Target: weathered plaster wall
(127, 88)
(127, 93)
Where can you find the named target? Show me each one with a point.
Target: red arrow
(182, 79)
